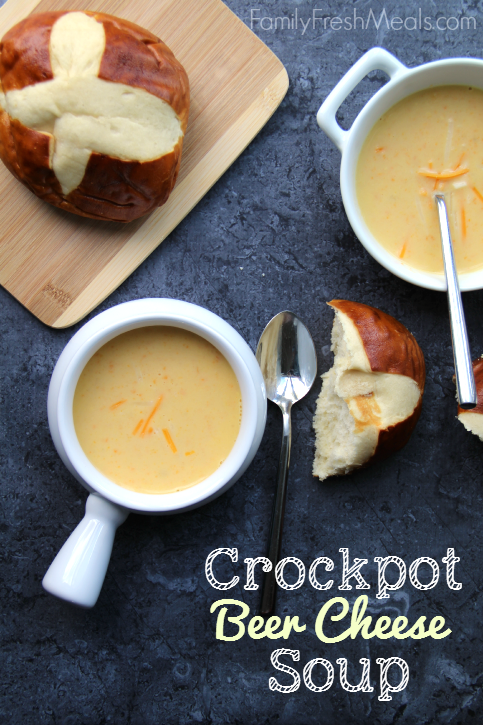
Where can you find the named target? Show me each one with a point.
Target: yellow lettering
(399, 624)
(359, 623)
(272, 624)
(292, 623)
(319, 622)
(435, 625)
(220, 621)
(381, 627)
(417, 631)
(254, 626)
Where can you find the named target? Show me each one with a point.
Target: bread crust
(478, 373)
(24, 52)
(390, 348)
(112, 188)
(389, 345)
(395, 437)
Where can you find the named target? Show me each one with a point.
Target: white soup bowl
(403, 82)
(78, 571)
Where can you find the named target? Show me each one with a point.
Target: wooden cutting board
(60, 266)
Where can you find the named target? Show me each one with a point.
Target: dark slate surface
(271, 235)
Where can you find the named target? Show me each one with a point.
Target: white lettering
(304, 25)
(329, 565)
(364, 685)
(386, 688)
(354, 571)
(413, 573)
(377, 23)
(251, 564)
(233, 554)
(384, 586)
(308, 674)
(275, 660)
(450, 560)
(279, 573)
(254, 18)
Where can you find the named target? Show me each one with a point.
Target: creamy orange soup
(157, 409)
(430, 141)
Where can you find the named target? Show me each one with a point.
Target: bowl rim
(356, 136)
(192, 318)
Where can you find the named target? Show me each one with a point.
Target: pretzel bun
(371, 398)
(473, 419)
(93, 111)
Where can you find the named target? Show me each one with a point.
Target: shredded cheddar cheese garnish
(448, 174)
(151, 415)
(169, 440)
(136, 429)
(116, 405)
(460, 160)
(478, 194)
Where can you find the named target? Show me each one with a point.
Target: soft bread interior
(83, 113)
(355, 404)
(472, 422)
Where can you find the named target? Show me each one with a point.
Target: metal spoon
(286, 355)
(465, 380)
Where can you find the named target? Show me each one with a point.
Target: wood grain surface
(60, 266)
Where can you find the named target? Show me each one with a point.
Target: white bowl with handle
(403, 82)
(77, 573)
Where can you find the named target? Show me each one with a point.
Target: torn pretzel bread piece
(371, 398)
(473, 419)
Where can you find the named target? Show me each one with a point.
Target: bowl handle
(77, 572)
(374, 59)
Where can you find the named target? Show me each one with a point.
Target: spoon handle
(269, 584)
(465, 380)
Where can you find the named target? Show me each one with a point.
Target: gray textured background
(271, 235)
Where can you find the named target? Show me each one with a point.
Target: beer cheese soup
(430, 141)
(157, 409)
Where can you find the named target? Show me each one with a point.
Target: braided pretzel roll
(93, 111)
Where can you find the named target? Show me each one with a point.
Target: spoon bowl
(286, 355)
(288, 361)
